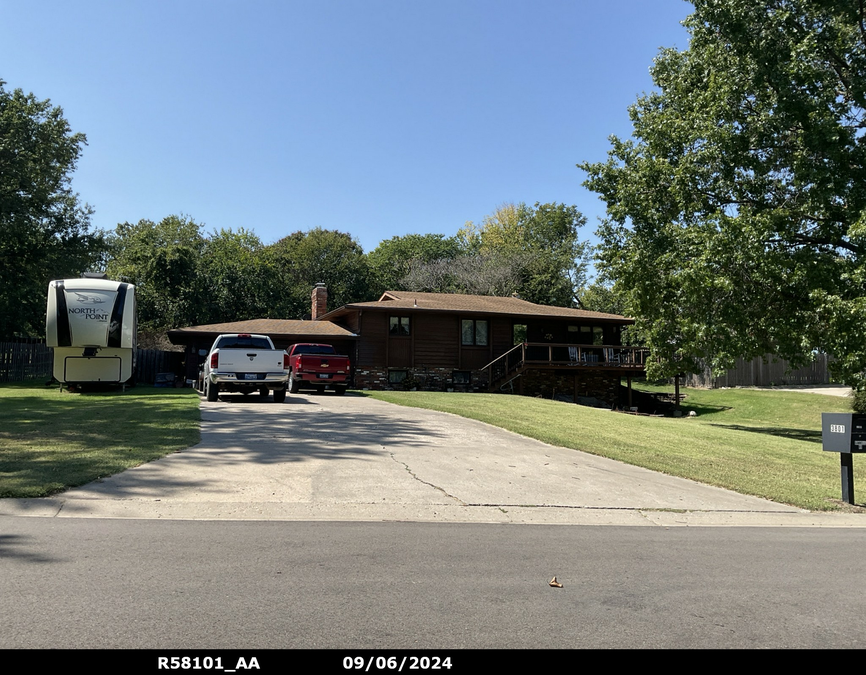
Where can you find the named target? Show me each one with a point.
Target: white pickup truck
(242, 362)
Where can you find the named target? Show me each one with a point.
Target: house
(480, 343)
(437, 341)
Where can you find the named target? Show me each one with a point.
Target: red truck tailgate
(323, 363)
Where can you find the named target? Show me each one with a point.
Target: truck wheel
(213, 391)
(339, 391)
(263, 392)
(293, 385)
(279, 395)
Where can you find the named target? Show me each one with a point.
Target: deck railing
(550, 355)
(511, 360)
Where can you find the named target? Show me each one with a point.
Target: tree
(393, 258)
(163, 261)
(736, 214)
(307, 258)
(533, 251)
(44, 230)
(184, 277)
(478, 274)
(601, 297)
(236, 279)
(542, 240)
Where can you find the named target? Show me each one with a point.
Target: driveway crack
(435, 487)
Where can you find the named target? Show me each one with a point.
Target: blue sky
(375, 117)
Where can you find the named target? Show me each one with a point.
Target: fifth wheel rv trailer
(91, 324)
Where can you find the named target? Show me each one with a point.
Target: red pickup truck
(313, 366)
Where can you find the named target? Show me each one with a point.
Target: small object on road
(555, 583)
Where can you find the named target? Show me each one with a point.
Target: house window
(473, 332)
(397, 376)
(519, 333)
(461, 377)
(593, 335)
(399, 325)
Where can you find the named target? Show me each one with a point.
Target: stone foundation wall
(545, 383)
(602, 385)
(426, 379)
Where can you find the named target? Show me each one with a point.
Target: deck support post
(677, 391)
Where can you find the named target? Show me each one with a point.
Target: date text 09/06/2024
(382, 663)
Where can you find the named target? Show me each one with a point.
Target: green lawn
(52, 440)
(757, 442)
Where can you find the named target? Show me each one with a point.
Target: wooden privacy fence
(22, 361)
(758, 373)
(149, 362)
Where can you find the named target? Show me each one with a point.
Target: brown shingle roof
(477, 304)
(266, 327)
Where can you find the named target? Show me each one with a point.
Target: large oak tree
(736, 213)
(44, 229)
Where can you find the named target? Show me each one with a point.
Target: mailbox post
(844, 433)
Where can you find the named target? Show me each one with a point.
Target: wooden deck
(559, 357)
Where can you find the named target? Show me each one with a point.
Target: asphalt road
(104, 583)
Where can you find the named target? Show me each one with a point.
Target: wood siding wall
(437, 341)
(501, 336)
(399, 352)
(374, 339)
(351, 322)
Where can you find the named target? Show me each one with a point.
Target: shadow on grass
(702, 409)
(51, 440)
(794, 434)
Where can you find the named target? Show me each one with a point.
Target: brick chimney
(320, 301)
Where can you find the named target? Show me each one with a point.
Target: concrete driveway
(354, 458)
